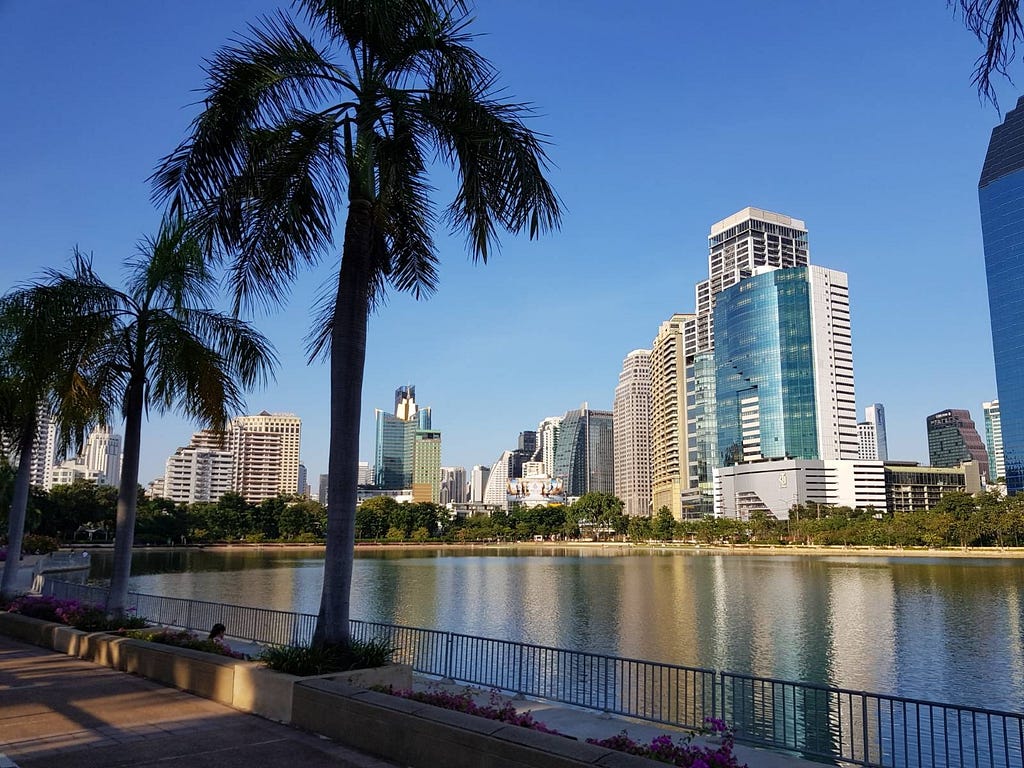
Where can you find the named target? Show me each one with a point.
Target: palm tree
(43, 349)
(163, 349)
(295, 128)
(998, 26)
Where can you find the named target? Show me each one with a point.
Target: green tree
(164, 349)
(295, 128)
(373, 517)
(639, 529)
(44, 351)
(664, 525)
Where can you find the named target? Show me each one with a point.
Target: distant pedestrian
(217, 633)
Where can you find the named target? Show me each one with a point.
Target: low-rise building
(909, 487)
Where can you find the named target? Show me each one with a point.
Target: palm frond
(997, 24)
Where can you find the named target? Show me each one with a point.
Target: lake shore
(617, 547)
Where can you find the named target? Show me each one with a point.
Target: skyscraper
(100, 461)
(397, 465)
(784, 367)
(584, 458)
(994, 441)
(198, 472)
(453, 485)
(953, 439)
(871, 434)
(478, 483)
(669, 443)
(1001, 198)
(266, 453)
(547, 442)
(631, 414)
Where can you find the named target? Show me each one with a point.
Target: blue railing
(834, 724)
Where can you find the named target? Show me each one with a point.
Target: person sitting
(217, 633)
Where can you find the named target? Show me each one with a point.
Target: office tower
(871, 434)
(478, 483)
(365, 474)
(631, 416)
(953, 439)
(99, 461)
(994, 441)
(584, 457)
(44, 451)
(266, 452)
(669, 446)
(453, 485)
(784, 367)
(303, 486)
(750, 240)
(322, 495)
(528, 443)
(198, 472)
(426, 473)
(399, 436)
(547, 442)
(1001, 198)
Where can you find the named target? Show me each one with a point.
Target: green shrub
(322, 660)
(185, 639)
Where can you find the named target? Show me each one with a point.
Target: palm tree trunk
(348, 356)
(16, 518)
(127, 499)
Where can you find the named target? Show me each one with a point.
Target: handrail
(818, 721)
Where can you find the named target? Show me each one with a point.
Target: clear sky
(663, 116)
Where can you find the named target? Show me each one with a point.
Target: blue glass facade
(1001, 197)
(584, 454)
(764, 365)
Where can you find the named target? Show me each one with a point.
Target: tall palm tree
(163, 349)
(998, 26)
(295, 128)
(44, 349)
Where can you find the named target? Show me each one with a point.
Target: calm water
(947, 630)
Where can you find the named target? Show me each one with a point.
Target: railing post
(864, 727)
(448, 658)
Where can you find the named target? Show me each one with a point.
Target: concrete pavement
(57, 710)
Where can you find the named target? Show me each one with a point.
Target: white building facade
(631, 430)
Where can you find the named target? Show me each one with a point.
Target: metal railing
(835, 724)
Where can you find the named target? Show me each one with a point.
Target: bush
(322, 660)
(32, 544)
(184, 639)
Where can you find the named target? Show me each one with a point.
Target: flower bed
(663, 749)
(185, 639)
(84, 616)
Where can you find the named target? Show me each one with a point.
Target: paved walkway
(57, 710)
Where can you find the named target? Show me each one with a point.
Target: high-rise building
(100, 461)
(453, 485)
(365, 474)
(994, 441)
(871, 434)
(784, 368)
(528, 443)
(407, 453)
(44, 451)
(478, 483)
(953, 439)
(584, 457)
(303, 485)
(669, 444)
(496, 489)
(547, 442)
(631, 418)
(1001, 198)
(322, 490)
(266, 453)
(198, 472)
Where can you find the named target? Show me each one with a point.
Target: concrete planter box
(28, 630)
(204, 674)
(421, 736)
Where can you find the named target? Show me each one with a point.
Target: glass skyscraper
(1001, 198)
(584, 456)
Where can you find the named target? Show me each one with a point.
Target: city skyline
(623, 263)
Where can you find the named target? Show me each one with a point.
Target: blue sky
(664, 117)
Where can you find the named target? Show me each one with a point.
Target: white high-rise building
(631, 415)
(453, 485)
(994, 441)
(198, 473)
(547, 442)
(478, 483)
(871, 434)
(496, 491)
(266, 451)
(100, 461)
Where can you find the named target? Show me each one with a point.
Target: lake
(933, 628)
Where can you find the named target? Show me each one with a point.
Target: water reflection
(926, 627)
